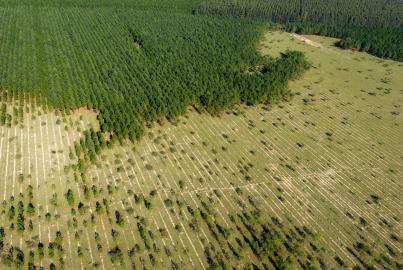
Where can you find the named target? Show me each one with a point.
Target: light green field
(329, 161)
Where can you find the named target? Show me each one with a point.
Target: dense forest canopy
(374, 26)
(134, 61)
(137, 4)
(380, 13)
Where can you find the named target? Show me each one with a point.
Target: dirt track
(307, 41)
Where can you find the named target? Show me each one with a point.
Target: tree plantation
(134, 66)
(375, 27)
(201, 134)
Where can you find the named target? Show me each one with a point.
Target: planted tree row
(371, 26)
(382, 42)
(135, 65)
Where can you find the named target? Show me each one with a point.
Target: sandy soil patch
(82, 110)
(307, 40)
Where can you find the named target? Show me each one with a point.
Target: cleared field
(312, 182)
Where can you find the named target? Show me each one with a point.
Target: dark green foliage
(20, 222)
(11, 212)
(381, 13)
(116, 255)
(148, 204)
(51, 249)
(31, 257)
(2, 233)
(367, 255)
(40, 250)
(3, 113)
(30, 192)
(382, 42)
(115, 234)
(215, 259)
(371, 26)
(20, 207)
(375, 199)
(143, 235)
(168, 202)
(98, 208)
(30, 225)
(70, 197)
(135, 249)
(14, 258)
(138, 199)
(86, 150)
(87, 192)
(82, 208)
(119, 218)
(95, 190)
(58, 238)
(134, 65)
(80, 252)
(30, 209)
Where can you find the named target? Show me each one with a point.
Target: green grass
(329, 160)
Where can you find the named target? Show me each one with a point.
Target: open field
(320, 176)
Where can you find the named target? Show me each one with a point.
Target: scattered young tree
(116, 255)
(11, 212)
(119, 218)
(30, 209)
(20, 223)
(70, 197)
(40, 250)
(98, 208)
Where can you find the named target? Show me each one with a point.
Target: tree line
(382, 42)
(367, 25)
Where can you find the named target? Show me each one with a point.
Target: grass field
(321, 172)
